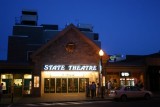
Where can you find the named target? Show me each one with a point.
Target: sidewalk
(45, 99)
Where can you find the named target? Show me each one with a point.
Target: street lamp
(101, 53)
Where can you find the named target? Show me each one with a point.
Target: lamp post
(101, 53)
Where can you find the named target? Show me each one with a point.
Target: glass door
(49, 85)
(82, 84)
(58, 85)
(64, 85)
(61, 85)
(46, 85)
(52, 85)
(72, 85)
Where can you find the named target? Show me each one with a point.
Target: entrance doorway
(65, 85)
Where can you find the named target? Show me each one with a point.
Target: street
(111, 103)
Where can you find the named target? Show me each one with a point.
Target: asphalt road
(131, 103)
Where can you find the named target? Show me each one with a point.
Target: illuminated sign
(70, 68)
(125, 74)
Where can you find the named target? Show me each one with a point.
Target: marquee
(70, 68)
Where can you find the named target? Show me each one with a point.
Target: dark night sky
(124, 26)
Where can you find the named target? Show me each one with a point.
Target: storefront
(68, 78)
(16, 79)
(66, 64)
(125, 75)
(19, 84)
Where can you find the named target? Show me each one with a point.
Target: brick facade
(54, 52)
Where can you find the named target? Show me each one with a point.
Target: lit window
(70, 47)
(36, 81)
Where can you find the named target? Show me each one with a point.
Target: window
(29, 53)
(6, 79)
(70, 47)
(18, 82)
(36, 81)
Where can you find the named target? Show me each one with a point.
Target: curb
(20, 100)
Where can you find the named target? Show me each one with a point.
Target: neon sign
(125, 74)
(70, 68)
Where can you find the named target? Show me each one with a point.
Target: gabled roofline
(71, 26)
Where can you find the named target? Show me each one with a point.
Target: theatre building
(45, 61)
(66, 63)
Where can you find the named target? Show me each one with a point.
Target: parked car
(125, 92)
